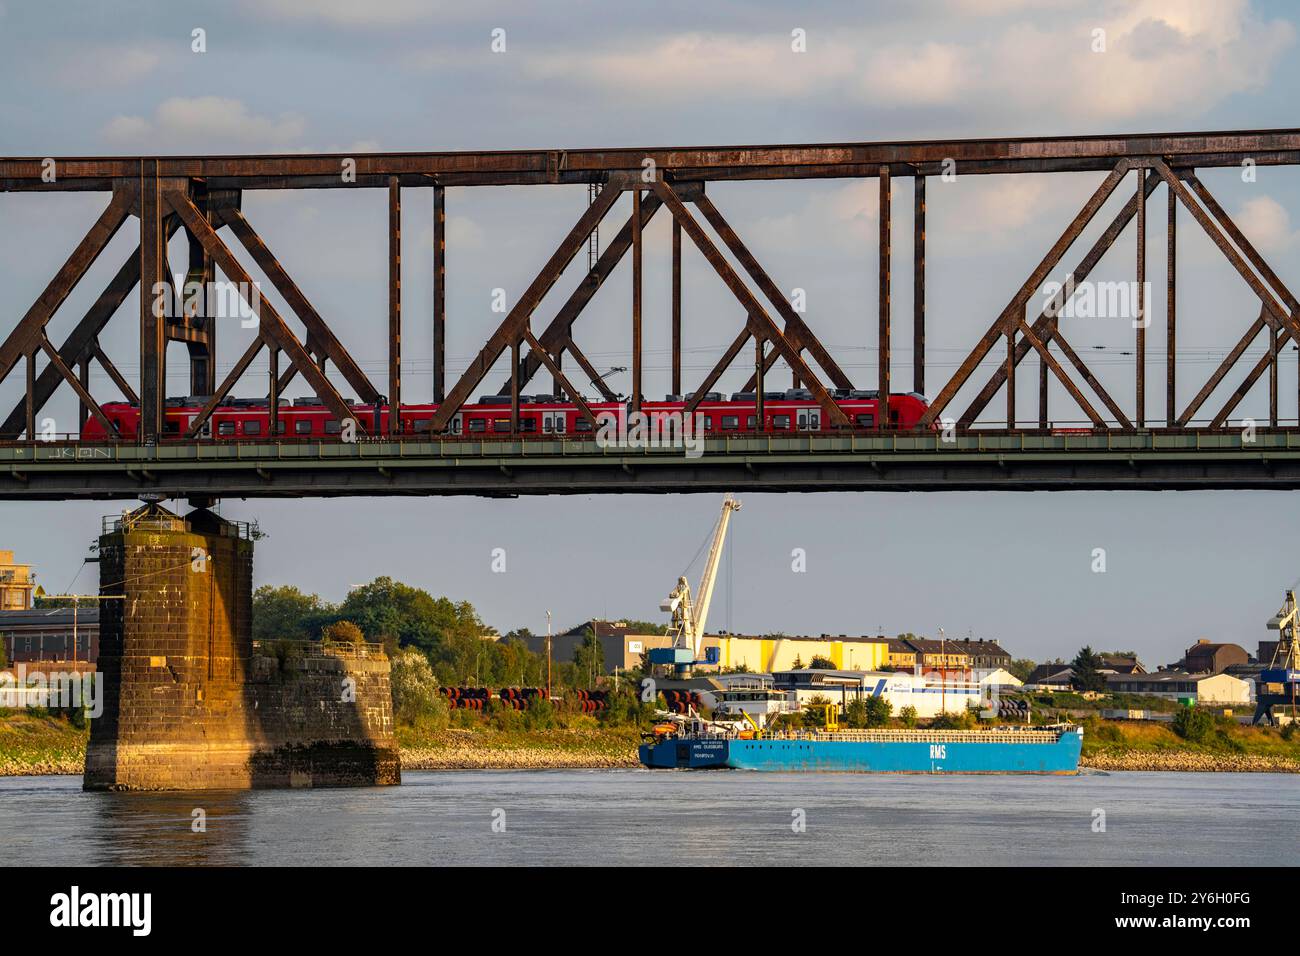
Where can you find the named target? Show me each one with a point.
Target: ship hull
(939, 756)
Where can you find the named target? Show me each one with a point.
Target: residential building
(939, 655)
(899, 654)
(982, 654)
(1121, 664)
(16, 584)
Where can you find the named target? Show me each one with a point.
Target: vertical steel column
(394, 306)
(31, 396)
(1011, 377)
(273, 391)
(1171, 297)
(1140, 355)
(1272, 375)
(918, 286)
(760, 423)
(677, 308)
(153, 328)
(514, 387)
(636, 300)
(439, 292)
(201, 269)
(1042, 390)
(886, 209)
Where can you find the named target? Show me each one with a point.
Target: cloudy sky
(341, 75)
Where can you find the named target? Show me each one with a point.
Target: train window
(302, 427)
(548, 423)
(252, 427)
(730, 423)
(582, 424)
(333, 427)
(559, 423)
(751, 423)
(528, 424)
(280, 426)
(225, 428)
(780, 421)
(501, 424)
(478, 424)
(865, 421)
(815, 419)
(422, 424)
(708, 423)
(171, 428)
(893, 416)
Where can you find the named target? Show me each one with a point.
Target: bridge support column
(190, 703)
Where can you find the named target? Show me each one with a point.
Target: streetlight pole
(548, 657)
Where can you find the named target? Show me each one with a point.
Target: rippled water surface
(671, 817)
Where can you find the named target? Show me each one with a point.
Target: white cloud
(205, 123)
(699, 64)
(1162, 57)
(1266, 224)
(932, 73)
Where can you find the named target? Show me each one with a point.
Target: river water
(672, 818)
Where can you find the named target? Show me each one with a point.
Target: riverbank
(31, 745)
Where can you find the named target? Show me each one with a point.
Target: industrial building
(782, 653)
(1180, 685)
(622, 646)
(1206, 657)
(50, 634)
(927, 695)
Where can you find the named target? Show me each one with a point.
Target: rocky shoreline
(465, 754)
(1182, 761)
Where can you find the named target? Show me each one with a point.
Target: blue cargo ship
(1042, 750)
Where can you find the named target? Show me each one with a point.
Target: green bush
(907, 716)
(1194, 724)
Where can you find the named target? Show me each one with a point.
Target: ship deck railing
(1016, 736)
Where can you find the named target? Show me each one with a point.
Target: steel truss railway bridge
(201, 196)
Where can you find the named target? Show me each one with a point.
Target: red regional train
(237, 419)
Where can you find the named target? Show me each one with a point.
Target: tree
(285, 613)
(1087, 671)
(1021, 668)
(589, 658)
(878, 711)
(907, 716)
(4, 656)
(855, 714)
(415, 690)
(814, 711)
(821, 663)
(342, 632)
(798, 664)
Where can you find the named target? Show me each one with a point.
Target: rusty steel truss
(202, 197)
